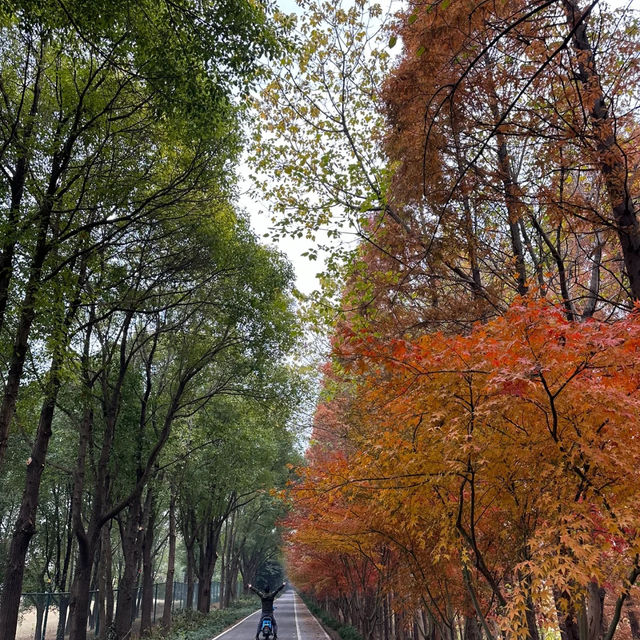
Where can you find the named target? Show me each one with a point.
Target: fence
(40, 612)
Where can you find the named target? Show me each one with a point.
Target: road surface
(295, 622)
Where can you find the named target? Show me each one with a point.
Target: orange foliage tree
(476, 452)
(516, 143)
(499, 469)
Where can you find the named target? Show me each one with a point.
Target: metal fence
(40, 612)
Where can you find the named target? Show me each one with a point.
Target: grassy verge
(346, 632)
(192, 625)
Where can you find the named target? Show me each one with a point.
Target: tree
(493, 470)
(114, 130)
(317, 148)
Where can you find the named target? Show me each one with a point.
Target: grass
(192, 625)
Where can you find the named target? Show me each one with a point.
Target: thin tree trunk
(171, 562)
(18, 181)
(227, 578)
(512, 198)
(566, 618)
(63, 610)
(223, 573)
(87, 540)
(613, 163)
(126, 600)
(190, 575)
(530, 612)
(40, 607)
(23, 332)
(207, 563)
(104, 583)
(634, 624)
(61, 583)
(28, 307)
(147, 569)
(108, 562)
(25, 525)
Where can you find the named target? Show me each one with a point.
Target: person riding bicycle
(267, 598)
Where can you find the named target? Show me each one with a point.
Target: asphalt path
(295, 622)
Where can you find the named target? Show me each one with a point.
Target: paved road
(295, 622)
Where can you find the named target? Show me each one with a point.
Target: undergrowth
(193, 625)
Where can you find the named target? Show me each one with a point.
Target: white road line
(235, 625)
(326, 635)
(295, 615)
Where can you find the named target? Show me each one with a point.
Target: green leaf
(392, 41)
(412, 18)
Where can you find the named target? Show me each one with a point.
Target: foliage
(316, 144)
(136, 305)
(506, 457)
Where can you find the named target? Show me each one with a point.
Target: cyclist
(267, 598)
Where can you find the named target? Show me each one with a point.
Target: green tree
(117, 121)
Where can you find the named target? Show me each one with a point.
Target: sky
(293, 248)
(305, 269)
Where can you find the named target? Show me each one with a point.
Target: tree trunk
(63, 609)
(105, 587)
(595, 619)
(61, 582)
(27, 316)
(147, 569)
(205, 575)
(40, 607)
(633, 619)
(472, 630)
(108, 562)
(530, 612)
(127, 585)
(207, 563)
(223, 575)
(512, 196)
(18, 181)
(171, 564)
(611, 157)
(80, 596)
(190, 575)
(229, 573)
(25, 525)
(566, 617)
(87, 540)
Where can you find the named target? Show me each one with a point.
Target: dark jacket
(267, 598)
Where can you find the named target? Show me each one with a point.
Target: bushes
(349, 633)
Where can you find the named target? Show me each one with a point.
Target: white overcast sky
(305, 269)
